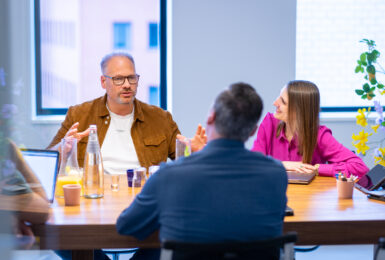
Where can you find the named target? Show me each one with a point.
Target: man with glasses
(131, 133)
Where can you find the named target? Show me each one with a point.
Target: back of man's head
(237, 111)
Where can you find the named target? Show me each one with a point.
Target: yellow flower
(361, 147)
(362, 137)
(361, 119)
(380, 159)
(375, 127)
(361, 140)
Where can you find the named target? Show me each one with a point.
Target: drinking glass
(152, 169)
(182, 148)
(115, 178)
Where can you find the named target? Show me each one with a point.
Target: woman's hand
(299, 167)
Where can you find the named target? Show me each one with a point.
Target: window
(122, 36)
(153, 35)
(154, 95)
(328, 35)
(71, 37)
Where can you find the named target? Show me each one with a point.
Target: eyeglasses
(119, 80)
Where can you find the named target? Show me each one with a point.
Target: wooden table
(319, 218)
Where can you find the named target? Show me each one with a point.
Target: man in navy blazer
(224, 192)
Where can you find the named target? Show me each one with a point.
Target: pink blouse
(332, 156)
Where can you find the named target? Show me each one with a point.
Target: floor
(351, 252)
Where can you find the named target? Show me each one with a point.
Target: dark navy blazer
(222, 193)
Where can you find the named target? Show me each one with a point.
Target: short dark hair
(237, 111)
(106, 59)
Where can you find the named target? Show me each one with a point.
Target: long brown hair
(303, 109)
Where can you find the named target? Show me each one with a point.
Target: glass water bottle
(93, 181)
(69, 171)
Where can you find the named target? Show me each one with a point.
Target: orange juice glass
(67, 179)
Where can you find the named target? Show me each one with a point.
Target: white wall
(219, 42)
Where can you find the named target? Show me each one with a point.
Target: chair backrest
(262, 249)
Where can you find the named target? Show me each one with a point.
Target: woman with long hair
(293, 135)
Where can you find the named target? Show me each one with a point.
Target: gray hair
(108, 57)
(237, 111)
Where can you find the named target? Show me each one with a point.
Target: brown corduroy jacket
(153, 130)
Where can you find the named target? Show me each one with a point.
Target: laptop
(44, 164)
(373, 180)
(300, 178)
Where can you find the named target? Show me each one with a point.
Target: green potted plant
(371, 88)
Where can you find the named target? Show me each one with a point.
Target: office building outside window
(74, 35)
(153, 35)
(122, 36)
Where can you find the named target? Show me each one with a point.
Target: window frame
(39, 111)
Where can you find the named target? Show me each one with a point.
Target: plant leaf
(372, 89)
(373, 81)
(359, 92)
(363, 57)
(371, 95)
(371, 68)
(372, 57)
(380, 86)
(363, 97)
(358, 69)
(376, 53)
(366, 87)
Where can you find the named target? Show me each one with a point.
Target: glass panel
(328, 47)
(76, 34)
(122, 36)
(154, 95)
(153, 35)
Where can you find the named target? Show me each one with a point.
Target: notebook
(44, 163)
(374, 179)
(300, 178)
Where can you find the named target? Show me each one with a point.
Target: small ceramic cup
(72, 194)
(345, 189)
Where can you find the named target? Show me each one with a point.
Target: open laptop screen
(44, 163)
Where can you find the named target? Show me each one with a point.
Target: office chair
(116, 252)
(379, 252)
(280, 248)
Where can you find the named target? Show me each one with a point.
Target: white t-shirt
(118, 150)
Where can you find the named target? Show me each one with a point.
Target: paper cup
(345, 189)
(72, 194)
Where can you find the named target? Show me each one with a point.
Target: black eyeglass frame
(129, 79)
